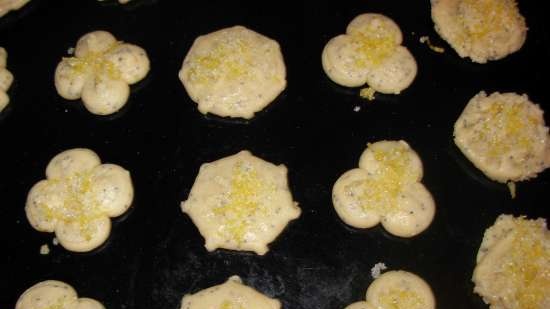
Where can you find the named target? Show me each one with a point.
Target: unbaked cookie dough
(77, 199)
(370, 52)
(504, 136)
(6, 78)
(11, 5)
(482, 30)
(397, 289)
(52, 294)
(232, 294)
(233, 72)
(385, 188)
(100, 72)
(513, 264)
(240, 202)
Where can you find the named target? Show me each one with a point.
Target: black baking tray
(155, 254)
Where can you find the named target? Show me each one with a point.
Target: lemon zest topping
(95, 63)
(374, 43)
(401, 299)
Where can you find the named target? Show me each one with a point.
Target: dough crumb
(377, 269)
(70, 51)
(357, 108)
(44, 249)
(55, 242)
(367, 93)
(512, 187)
(426, 40)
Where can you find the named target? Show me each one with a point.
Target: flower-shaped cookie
(78, 198)
(232, 294)
(385, 188)
(100, 72)
(504, 135)
(480, 29)
(6, 78)
(52, 294)
(11, 5)
(370, 52)
(240, 202)
(233, 72)
(397, 289)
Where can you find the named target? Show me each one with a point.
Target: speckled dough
(370, 52)
(504, 135)
(232, 294)
(6, 78)
(385, 189)
(233, 72)
(100, 72)
(77, 199)
(397, 289)
(54, 294)
(482, 30)
(513, 264)
(240, 202)
(11, 5)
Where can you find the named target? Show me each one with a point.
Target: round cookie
(513, 264)
(482, 30)
(385, 189)
(504, 136)
(240, 202)
(370, 52)
(400, 290)
(6, 79)
(54, 294)
(11, 5)
(233, 72)
(100, 72)
(77, 199)
(231, 294)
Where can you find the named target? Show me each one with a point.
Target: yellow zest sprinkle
(426, 39)
(400, 299)
(380, 192)
(229, 59)
(526, 267)
(96, 63)
(247, 189)
(487, 17)
(230, 305)
(367, 93)
(374, 45)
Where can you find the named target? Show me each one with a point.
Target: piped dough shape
(385, 189)
(240, 202)
(513, 264)
(100, 72)
(11, 5)
(54, 294)
(78, 198)
(482, 30)
(370, 53)
(6, 79)
(232, 294)
(233, 72)
(397, 289)
(504, 135)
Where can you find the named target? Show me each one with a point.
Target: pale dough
(370, 52)
(232, 294)
(397, 290)
(77, 199)
(100, 72)
(513, 264)
(241, 202)
(385, 188)
(11, 5)
(504, 135)
(6, 78)
(233, 72)
(52, 294)
(482, 30)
